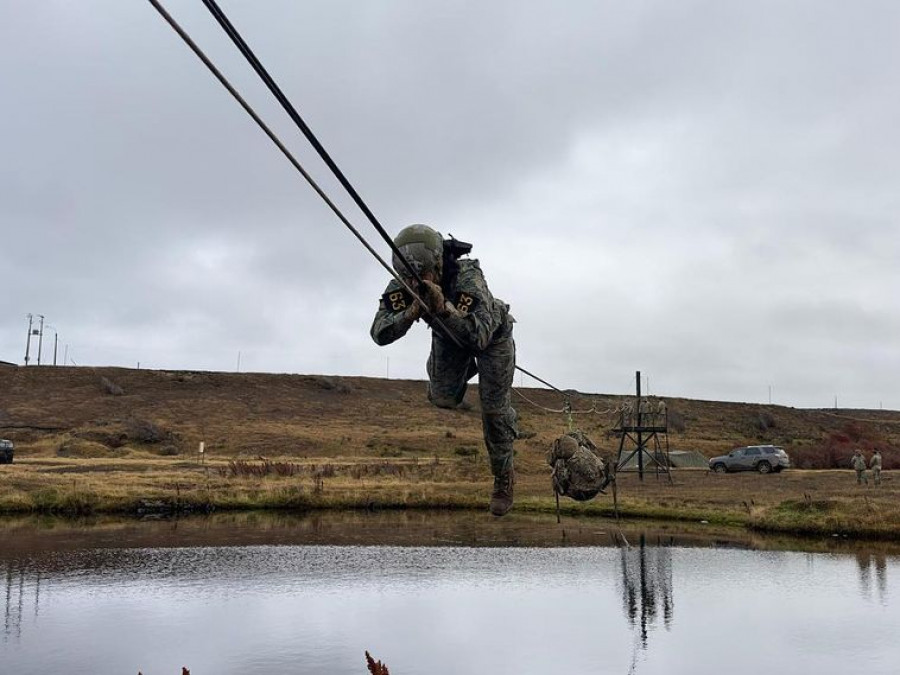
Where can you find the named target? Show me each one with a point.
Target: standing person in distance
(455, 291)
(858, 464)
(875, 466)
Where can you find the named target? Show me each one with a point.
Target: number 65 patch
(466, 303)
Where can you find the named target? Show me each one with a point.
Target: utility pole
(55, 345)
(28, 343)
(40, 338)
(640, 440)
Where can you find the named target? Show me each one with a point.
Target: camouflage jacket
(858, 462)
(479, 320)
(875, 462)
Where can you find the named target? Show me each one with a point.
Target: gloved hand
(433, 296)
(414, 311)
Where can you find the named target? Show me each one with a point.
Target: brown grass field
(125, 441)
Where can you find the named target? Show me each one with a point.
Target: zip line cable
(228, 27)
(254, 62)
(287, 153)
(289, 108)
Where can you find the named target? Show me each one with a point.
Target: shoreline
(808, 504)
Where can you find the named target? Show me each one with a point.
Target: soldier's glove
(414, 311)
(434, 298)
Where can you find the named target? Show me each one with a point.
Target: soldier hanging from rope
(455, 291)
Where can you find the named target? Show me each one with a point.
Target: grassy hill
(114, 412)
(112, 440)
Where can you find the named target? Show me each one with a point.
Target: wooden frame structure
(643, 429)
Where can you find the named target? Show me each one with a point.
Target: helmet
(422, 247)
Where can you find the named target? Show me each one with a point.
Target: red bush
(835, 450)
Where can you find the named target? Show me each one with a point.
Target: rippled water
(76, 601)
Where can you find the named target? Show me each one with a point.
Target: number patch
(466, 303)
(397, 301)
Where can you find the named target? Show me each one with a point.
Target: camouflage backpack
(578, 471)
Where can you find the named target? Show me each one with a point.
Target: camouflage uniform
(858, 463)
(875, 465)
(578, 471)
(484, 327)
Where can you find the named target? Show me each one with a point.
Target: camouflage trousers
(449, 370)
(861, 477)
(876, 476)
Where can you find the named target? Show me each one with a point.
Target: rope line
(296, 164)
(538, 405)
(592, 409)
(242, 46)
(264, 75)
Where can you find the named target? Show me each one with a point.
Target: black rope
(309, 179)
(540, 380)
(254, 62)
(229, 28)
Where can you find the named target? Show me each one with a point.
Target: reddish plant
(376, 667)
(835, 450)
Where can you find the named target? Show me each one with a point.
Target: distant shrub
(145, 431)
(765, 421)
(465, 451)
(676, 421)
(107, 386)
(331, 384)
(110, 439)
(168, 450)
(835, 450)
(83, 449)
(242, 469)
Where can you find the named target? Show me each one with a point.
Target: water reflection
(218, 596)
(872, 566)
(646, 585)
(22, 594)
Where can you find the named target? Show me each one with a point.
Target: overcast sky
(707, 192)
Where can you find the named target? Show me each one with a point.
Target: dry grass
(306, 442)
(811, 502)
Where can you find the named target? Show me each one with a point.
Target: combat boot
(502, 496)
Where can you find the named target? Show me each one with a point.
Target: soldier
(875, 465)
(858, 463)
(455, 291)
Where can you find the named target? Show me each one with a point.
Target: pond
(437, 593)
